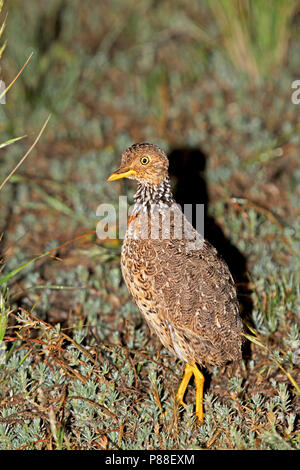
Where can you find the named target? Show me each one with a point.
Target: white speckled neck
(148, 195)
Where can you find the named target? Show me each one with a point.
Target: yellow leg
(188, 372)
(199, 382)
(191, 369)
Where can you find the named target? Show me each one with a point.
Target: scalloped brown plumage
(181, 285)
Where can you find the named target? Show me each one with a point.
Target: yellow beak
(121, 173)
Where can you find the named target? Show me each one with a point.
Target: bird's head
(145, 163)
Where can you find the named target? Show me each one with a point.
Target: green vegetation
(79, 368)
(255, 34)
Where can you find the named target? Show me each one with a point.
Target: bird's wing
(199, 295)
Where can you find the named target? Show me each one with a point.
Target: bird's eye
(145, 160)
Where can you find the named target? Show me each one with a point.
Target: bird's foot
(199, 381)
(180, 401)
(200, 416)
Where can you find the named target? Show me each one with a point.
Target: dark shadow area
(187, 167)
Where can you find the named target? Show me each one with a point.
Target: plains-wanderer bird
(181, 285)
